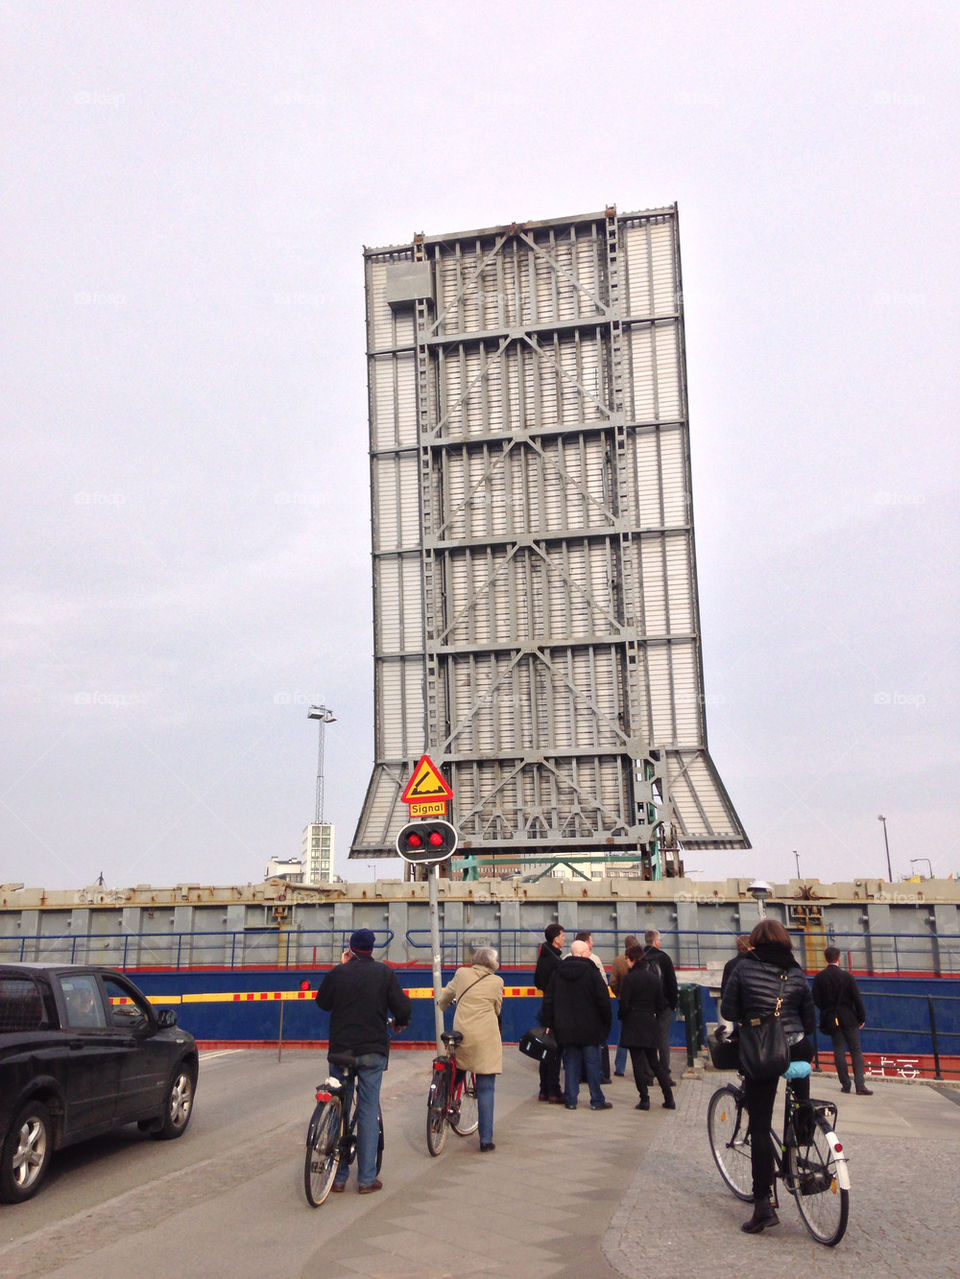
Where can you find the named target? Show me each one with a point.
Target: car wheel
(26, 1152)
(178, 1105)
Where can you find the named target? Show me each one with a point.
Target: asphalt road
(604, 1194)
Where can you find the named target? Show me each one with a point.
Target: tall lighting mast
(325, 716)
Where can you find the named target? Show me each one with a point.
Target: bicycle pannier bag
(764, 1052)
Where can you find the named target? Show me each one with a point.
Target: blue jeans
(577, 1060)
(370, 1070)
(620, 1062)
(485, 1087)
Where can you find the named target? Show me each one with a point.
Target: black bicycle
(452, 1099)
(808, 1157)
(332, 1134)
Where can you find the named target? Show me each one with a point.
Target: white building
(290, 868)
(316, 853)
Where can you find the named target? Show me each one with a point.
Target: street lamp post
(760, 890)
(914, 860)
(325, 716)
(886, 843)
(797, 856)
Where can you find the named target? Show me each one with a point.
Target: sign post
(429, 841)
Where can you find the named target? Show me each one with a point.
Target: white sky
(185, 521)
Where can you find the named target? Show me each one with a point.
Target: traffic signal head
(426, 842)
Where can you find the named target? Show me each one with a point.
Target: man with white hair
(576, 1007)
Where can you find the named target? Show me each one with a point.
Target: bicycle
(332, 1133)
(452, 1099)
(808, 1158)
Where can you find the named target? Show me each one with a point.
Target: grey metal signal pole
(435, 948)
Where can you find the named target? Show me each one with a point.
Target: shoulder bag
(764, 1052)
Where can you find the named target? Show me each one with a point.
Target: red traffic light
(427, 842)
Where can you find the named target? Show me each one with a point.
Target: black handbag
(764, 1051)
(537, 1043)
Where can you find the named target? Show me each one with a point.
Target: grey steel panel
(530, 458)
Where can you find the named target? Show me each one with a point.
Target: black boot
(668, 1102)
(644, 1102)
(764, 1215)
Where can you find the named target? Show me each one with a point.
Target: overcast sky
(185, 520)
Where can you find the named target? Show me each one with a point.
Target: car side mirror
(166, 1018)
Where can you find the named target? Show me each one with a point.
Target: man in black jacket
(358, 994)
(654, 956)
(548, 961)
(842, 1015)
(577, 1008)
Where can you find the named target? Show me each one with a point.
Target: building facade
(316, 853)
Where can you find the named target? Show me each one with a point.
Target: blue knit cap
(362, 941)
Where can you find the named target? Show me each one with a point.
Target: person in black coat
(548, 961)
(577, 1008)
(652, 954)
(842, 1015)
(359, 994)
(754, 988)
(641, 999)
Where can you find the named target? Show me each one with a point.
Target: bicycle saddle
(797, 1070)
(343, 1059)
(452, 1037)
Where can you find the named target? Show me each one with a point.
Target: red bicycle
(452, 1101)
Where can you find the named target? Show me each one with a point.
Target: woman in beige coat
(478, 994)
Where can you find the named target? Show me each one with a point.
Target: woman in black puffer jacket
(753, 990)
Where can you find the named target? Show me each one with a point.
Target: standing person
(358, 995)
(478, 994)
(618, 970)
(548, 961)
(842, 1016)
(753, 990)
(641, 999)
(577, 1008)
(586, 936)
(671, 992)
(743, 945)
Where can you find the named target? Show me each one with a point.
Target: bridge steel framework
(536, 622)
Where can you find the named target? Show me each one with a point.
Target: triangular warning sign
(425, 783)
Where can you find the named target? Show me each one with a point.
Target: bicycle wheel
(730, 1141)
(468, 1117)
(437, 1112)
(816, 1184)
(323, 1151)
(379, 1141)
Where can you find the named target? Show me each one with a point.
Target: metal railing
(181, 952)
(880, 954)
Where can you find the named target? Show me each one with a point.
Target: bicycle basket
(724, 1053)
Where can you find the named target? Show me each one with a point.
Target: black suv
(83, 1052)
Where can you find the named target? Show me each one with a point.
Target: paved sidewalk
(626, 1193)
(903, 1146)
